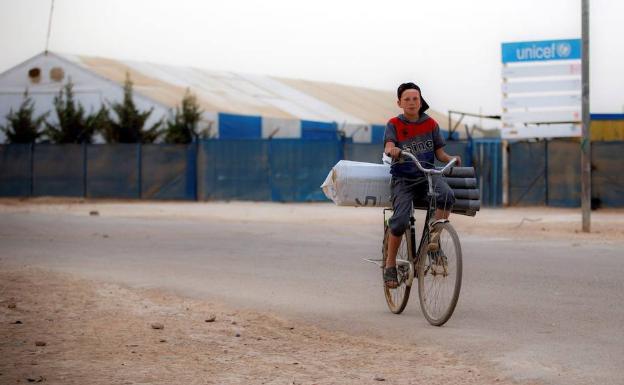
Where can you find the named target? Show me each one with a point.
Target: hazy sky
(450, 47)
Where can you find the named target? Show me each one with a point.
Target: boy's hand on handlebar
(459, 162)
(394, 153)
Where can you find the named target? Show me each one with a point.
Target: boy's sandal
(390, 277)
(434, 235)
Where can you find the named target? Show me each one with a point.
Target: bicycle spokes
(440, 277)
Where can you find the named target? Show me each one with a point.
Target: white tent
(282, 103)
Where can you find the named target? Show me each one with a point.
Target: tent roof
(220, 91)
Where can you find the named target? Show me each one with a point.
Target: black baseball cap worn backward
(411, 86)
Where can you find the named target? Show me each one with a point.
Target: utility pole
(49, 27)
(586, 137)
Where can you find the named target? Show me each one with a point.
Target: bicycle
(439, 272)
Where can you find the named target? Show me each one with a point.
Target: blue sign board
(530, 51)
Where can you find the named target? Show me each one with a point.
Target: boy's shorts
(405, 190)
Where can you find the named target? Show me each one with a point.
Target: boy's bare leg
(394, 242)
(393, 246)
(433, 241)
(441, 214)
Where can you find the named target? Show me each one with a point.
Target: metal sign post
(586, 138)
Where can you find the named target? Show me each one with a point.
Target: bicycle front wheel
(440, 276)
(397, 298)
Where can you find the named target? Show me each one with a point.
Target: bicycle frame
(414, 252)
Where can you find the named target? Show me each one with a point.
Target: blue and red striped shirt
(421, 137)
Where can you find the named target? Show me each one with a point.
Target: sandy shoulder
(607, 225)
(100, 333)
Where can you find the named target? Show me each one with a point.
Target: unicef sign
(541, 50)
(541, 89)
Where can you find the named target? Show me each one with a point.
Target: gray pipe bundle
(463, 182)
(368, 184)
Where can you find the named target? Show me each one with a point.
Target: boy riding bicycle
(418, 133)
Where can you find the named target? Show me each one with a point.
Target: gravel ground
(59, 329)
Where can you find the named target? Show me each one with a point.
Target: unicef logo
(528, 51)
(563, 49)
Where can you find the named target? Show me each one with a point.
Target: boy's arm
(438, 144)
(443, 157)
(392, 151)
(390, 140)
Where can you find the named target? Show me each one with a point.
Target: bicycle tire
(397, 298)
(440, 277)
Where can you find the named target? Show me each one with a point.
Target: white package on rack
(352, 183)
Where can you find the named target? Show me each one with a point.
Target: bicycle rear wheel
(397, 298)
(440, 276)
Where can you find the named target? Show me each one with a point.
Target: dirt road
(540, 302)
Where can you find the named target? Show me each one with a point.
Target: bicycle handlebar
(429, 170)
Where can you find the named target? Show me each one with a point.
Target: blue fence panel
(15, 170)
(607, 176)
(318, 130)
(233, 126)
(487, 160)
(527, 173)
(453, 136)
(113, 170)
(292, 170)
(462, 148)
(377, 133)
(59, 170)
(234, 169)
(564, 173)
(168, 171)
(299, 168)
(363, 152)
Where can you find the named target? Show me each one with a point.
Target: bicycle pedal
(433, 247)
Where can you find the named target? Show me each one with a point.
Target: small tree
(184, 125)
(128, 127)
(22, 126)
(73, 125)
